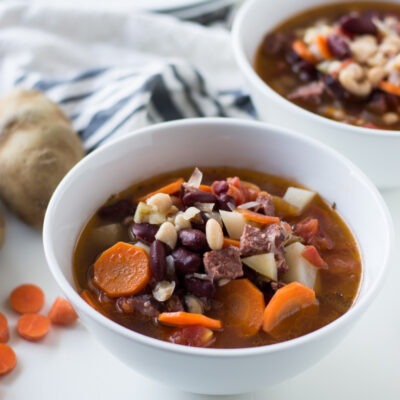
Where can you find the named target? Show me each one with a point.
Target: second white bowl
(375, 151)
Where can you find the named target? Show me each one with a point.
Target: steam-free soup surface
(335, 288)
(340, 61)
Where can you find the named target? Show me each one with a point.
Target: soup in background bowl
(343, 101)
(209, 142)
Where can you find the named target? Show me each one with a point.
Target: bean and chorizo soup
(221, 258)
(340, 61)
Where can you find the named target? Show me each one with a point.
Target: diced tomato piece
(307, 229)
(236, 194)
(194, 335)
(310, 253)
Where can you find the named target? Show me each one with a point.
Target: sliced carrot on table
(33, 327)
(168, 189)
(8, 359)
(122, 270)
(4, 331)
(205, 188)
(389, 88)
(243, 305)
(230, 242)
(322, 43)
(257, 217)
(303, 51)
(27, 298)
(285, 302)
(310, 253)
(62, 312)
(182, 318)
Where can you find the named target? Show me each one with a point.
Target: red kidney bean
(333, 87)
(338, 46)
(200, 287)
(186, 262)
(356, 24)
(193, 239)
(117, 211)
(158, 261)
(219, 187)
(306, 71)
(198, 196)
(226, 202)
(144, 232)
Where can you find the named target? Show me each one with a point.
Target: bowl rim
(72, 294)
(247, 69)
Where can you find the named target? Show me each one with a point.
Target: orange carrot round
(182, 318)
(322, 43)
(389, 88)
(205, 188)
(303, 51)
(8, 359)
(122, 270)
(287, 301)
(62, 312)
(168, 189)
(243, 306)
(4, 331)
(27, 298)
(260, 218)
(33, 327)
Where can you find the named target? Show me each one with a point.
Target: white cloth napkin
(113, 71)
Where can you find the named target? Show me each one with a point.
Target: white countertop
(70, 364)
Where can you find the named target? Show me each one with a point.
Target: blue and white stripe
(107, 102)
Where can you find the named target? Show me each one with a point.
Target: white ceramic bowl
(216, 142)
(375, 151)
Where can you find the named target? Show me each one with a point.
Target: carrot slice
(230, 242)
(182, 318)
(62, 312)
(285, 302)
(243, 306)
(389, 88)
(27, 299)
(168, 189)
(205, 188)
(8, 359)
(310, 253)
(4, 331)
(122, 270)
(33, 327)
(322, 43)
(260, 218)
(303, 51)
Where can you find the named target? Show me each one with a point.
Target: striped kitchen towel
(112, 73)
(106, 102)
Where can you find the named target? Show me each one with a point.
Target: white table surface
(69, 363)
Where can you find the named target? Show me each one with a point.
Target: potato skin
(2, 230)
(37, 148)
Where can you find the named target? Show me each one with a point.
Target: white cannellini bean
(194, 305)
(163, 290)
(390, 118)
(161, 201)
(353, 79)
(375, 75)
(214, 234)
(364, 47)
(181, 222)
(167, 234)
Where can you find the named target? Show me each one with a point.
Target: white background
(70, 364)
